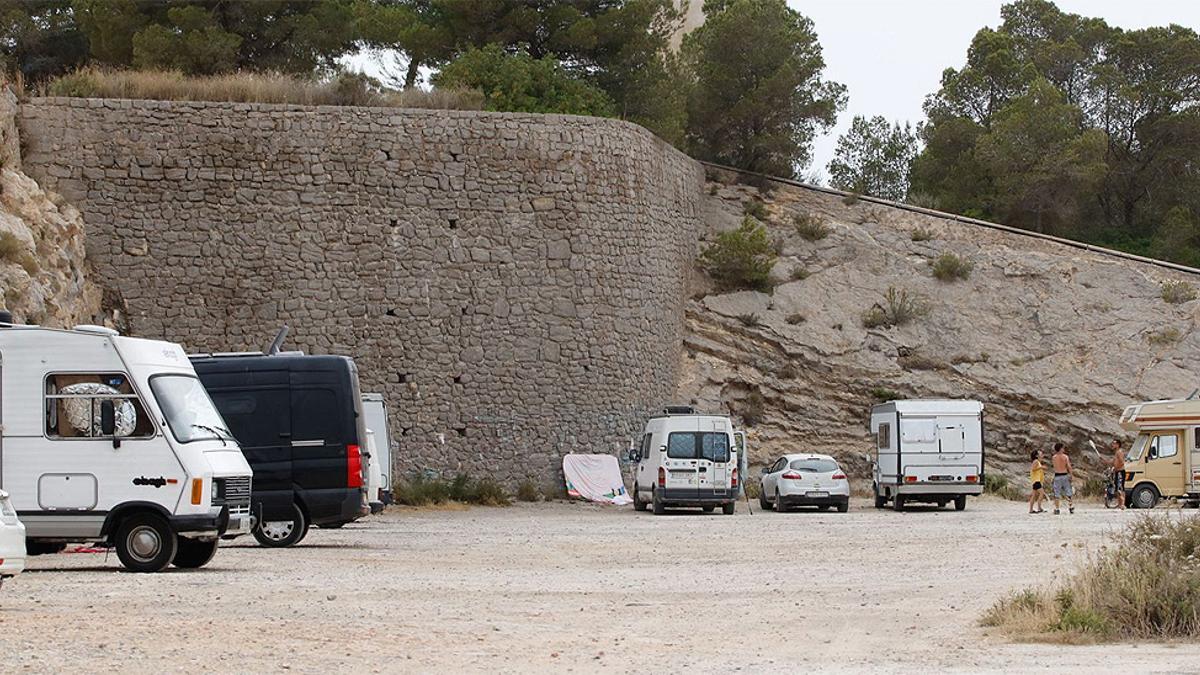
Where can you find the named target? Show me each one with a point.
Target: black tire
(880, 500)
(843, 506)
(193, 553)
(1144, 497)
(960, 503)
(729, 508)
(638, 504)
(762, 499)
(145, 543)
(282, 533)
(780, 507)
(898, 503)
(659, 507)
(708, 509)
(42, 547)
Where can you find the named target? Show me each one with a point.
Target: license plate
(682, 475)
(817, 494)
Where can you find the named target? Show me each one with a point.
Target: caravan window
(713, 446)
(1164, 446)
(918, 431)
(884, 440)
(73, 406)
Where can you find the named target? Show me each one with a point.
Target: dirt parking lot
(573, 587)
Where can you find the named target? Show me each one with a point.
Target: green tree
(874, 158)
(758, 97)
(517, 82)
(191, 42)
(741, 259)
(40, 38)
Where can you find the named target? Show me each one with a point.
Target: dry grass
(251, 88)
(951, 267)
(421, 490)
(810, 227)
(1177, 292)
(1143, 585)
(898, 308)
(1164, 337)
(922, 234)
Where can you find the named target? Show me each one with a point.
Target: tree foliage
(1061, 123)
(517, 82)
(741, 259)
(874, 157)
(758, 97)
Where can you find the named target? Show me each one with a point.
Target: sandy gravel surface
(569, 587)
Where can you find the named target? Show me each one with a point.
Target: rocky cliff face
(42, 268)
(1055, 340)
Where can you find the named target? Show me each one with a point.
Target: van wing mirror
(108, 418)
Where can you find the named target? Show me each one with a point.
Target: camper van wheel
(638, 504)
(282, 533)
(898, 502)
(194, 553)
(659, 507)
(960, 503)
(145, 543)
(880, 500)
(728, 509)
(1145, 497)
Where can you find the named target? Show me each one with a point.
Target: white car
(804, 480)
(12, 540)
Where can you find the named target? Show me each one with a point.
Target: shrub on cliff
(897, 308)
(741, 259)
(951, 267)
(1145, 584)
(517, 82)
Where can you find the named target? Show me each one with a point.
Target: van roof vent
(98, 330)
(679, 410)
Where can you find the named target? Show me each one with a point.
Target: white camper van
(927, 451)
(113, 440)
(686, 459)
(376, 415)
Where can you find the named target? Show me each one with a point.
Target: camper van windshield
(1135, 450)
(189, 411)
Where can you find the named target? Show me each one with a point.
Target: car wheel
(145, 543)
(659, 507)
(193, 553)
(282, 533)
(779, 505)
(960, 503)
(880, 500)
(1145, 497)
(762, 499)
(898, 502)
(638, 504)
(843, 506)
(729, 508)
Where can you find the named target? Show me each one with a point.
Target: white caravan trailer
(375, 411)
(113, 440)
(927, 451)
(686, 459)
(374, 474)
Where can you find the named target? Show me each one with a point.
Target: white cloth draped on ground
(596, 478)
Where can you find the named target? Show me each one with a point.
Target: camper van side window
(73, 405)
(884, 441)
(1163, 447)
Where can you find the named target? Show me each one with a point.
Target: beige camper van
(1164, 460)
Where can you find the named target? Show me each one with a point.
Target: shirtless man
(1118, 465)
(1063, 471)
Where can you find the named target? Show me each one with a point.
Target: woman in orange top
(1037, 474)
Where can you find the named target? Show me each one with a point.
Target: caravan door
(952, 438)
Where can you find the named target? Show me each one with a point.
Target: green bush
(897, 309)
(997, 484)
(755, 209)
(1164, 337)
(1177, 292)
(421, 490)
(950, 267)
(922, 234)
(528, 491)
(741, 259)
(798, 273)
(810, 227)
(883, 394)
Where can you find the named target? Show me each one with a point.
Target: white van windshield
(710, 445)
(189, 411)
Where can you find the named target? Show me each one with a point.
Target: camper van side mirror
(108, 421)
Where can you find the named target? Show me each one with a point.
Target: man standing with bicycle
(1118, 468)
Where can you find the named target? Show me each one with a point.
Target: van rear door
(715, 449)
(682, 465)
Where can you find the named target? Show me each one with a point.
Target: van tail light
(910, 479)
(792, 476)
(839, 476)
(734, 479)
(662, 477)
(353, 467)
(197, 490)
(972, 479)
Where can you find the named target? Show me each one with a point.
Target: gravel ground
(573, 587)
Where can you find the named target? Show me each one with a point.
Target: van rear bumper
(697, 497)
(938, 489)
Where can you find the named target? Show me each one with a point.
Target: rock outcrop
(1054, 339)
(42, 266)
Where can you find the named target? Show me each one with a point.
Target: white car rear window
(814, 465)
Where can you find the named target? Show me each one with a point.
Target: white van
(113, 440)
(374, 474)
(375, 412)
(927, 451)
(686, 459)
